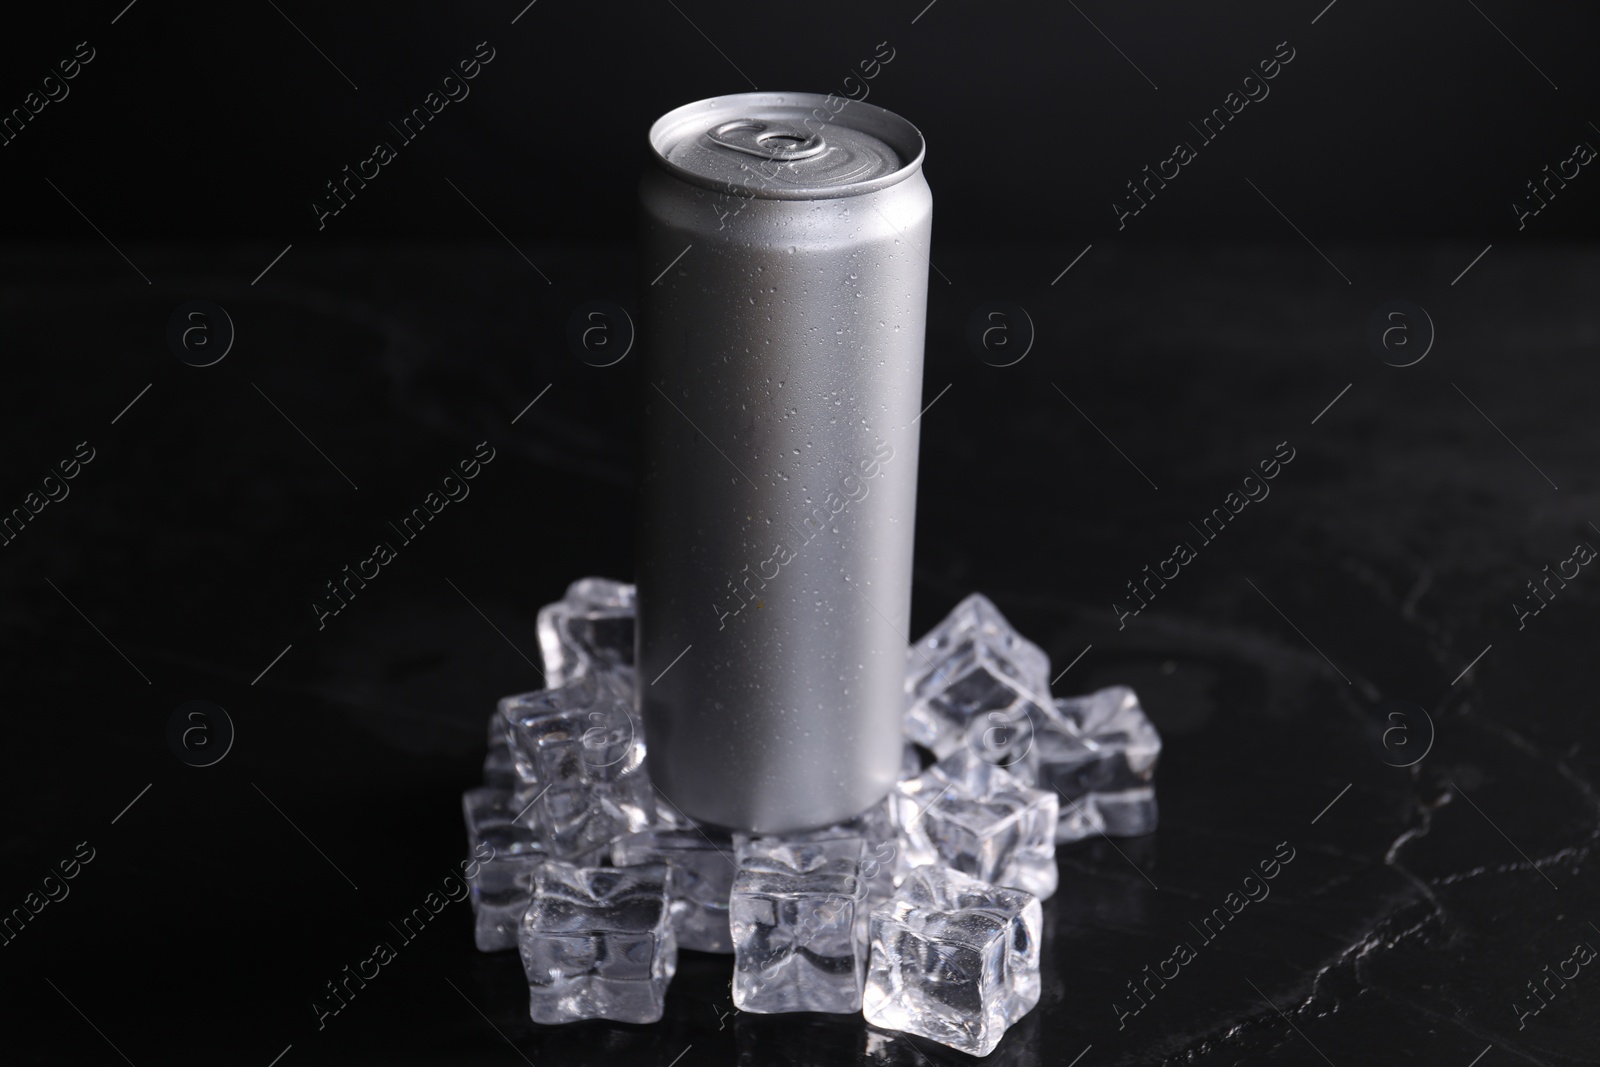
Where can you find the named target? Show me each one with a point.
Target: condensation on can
(784, 277)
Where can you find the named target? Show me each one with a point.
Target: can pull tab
(770, 140)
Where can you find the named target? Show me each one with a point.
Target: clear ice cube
(702, 865)
(980, 819)
(592, 696)
(953, 959)
(504, 855)
(796, 943)
(579, 753)
(491, 817)
(513, 715)
(1128, 813)
(597, 943)
(876, 827)
(1078, 819)
(499, 768)
(973, 681)
(880, 865)
(1099, 751)
(589, 628)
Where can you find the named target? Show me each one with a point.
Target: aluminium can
(784, 283)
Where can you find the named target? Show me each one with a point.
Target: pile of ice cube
(922, 912)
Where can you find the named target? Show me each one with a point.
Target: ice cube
(702, 866)
(876, 827)
(1079, 819)
(1100, 751)
(579, 753)
(514, 715)
(597, 943)
(594, 694)
(499, 768)
(591, 627)
(881, 863)
(491, 817)
(796, 944)
(1127, 813)
(979, 819)
(1004, 737)
(953, 959)
(503, 854)
(974, 681)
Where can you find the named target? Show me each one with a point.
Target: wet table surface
(1353, 678)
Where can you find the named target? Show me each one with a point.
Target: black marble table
(1350, 678)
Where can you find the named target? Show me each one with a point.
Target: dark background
(378, 352)
(1394, 121)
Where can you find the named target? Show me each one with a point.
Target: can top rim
(695, 119)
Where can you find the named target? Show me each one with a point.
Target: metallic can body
(782, 327)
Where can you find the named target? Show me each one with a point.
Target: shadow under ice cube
(979, 819)
(953, 959)
(797, 946)
(597, 943)
(804, 1040)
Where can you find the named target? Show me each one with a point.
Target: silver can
(784, 283)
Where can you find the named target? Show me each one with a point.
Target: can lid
(786, 146)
